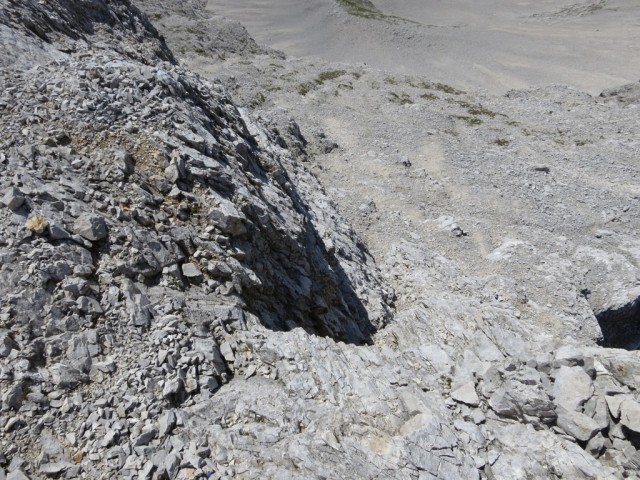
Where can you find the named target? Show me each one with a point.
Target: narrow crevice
(621, 327)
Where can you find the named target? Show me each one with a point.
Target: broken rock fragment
(192, 272)
(12, 199)
(572, 387)
(630, 415)
(91, 227)
(466, 394)
(578, 425)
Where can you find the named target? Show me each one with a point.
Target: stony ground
(282, 268)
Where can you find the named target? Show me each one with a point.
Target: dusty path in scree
(493, 45)
(394, 188)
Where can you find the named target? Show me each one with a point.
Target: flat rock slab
(578, 425)
(466, 394)
(192, 272)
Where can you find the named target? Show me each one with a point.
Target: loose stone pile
(143, 224)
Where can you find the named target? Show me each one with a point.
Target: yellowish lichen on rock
(37, 224)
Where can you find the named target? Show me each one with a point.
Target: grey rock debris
(182, 297)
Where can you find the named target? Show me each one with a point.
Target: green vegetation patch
(304, 88)
(366, 9)
(329, 75)
(477, 109)
(441, 87)
(402, 99)
(503, 142)
(469, 120)
(361, 8)
(259, 99)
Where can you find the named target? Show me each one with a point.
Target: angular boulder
(578, 425)
(91, 227)
(572, 387)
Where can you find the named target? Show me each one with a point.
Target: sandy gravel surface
(494, 45)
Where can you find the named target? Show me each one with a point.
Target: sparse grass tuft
(503, 142)
(260, 99)
(477, 109)
(429, 96)
(366, 9)
(442, 87)
(196, 30)
(304, 88)
(469, 120)
(329, 75)
(361, 8)
(37, 224)
(402, 99)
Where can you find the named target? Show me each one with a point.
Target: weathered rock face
(180, 298)
(193, 33)
(34, 31)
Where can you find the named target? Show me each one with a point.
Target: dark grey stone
(91, 227)
(12, 199)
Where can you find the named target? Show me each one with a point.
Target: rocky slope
(181, 298)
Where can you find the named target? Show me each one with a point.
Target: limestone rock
(146, 436)
(17, 474)
(200, 303)
(12, 198)
(192, 272)
(614, 403)
(166, 423)
(578, 425)
(572, 387)
(630, 415)
(466, 394)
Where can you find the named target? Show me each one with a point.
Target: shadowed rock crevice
(300, 280)
(621, 326)
(322, 299)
